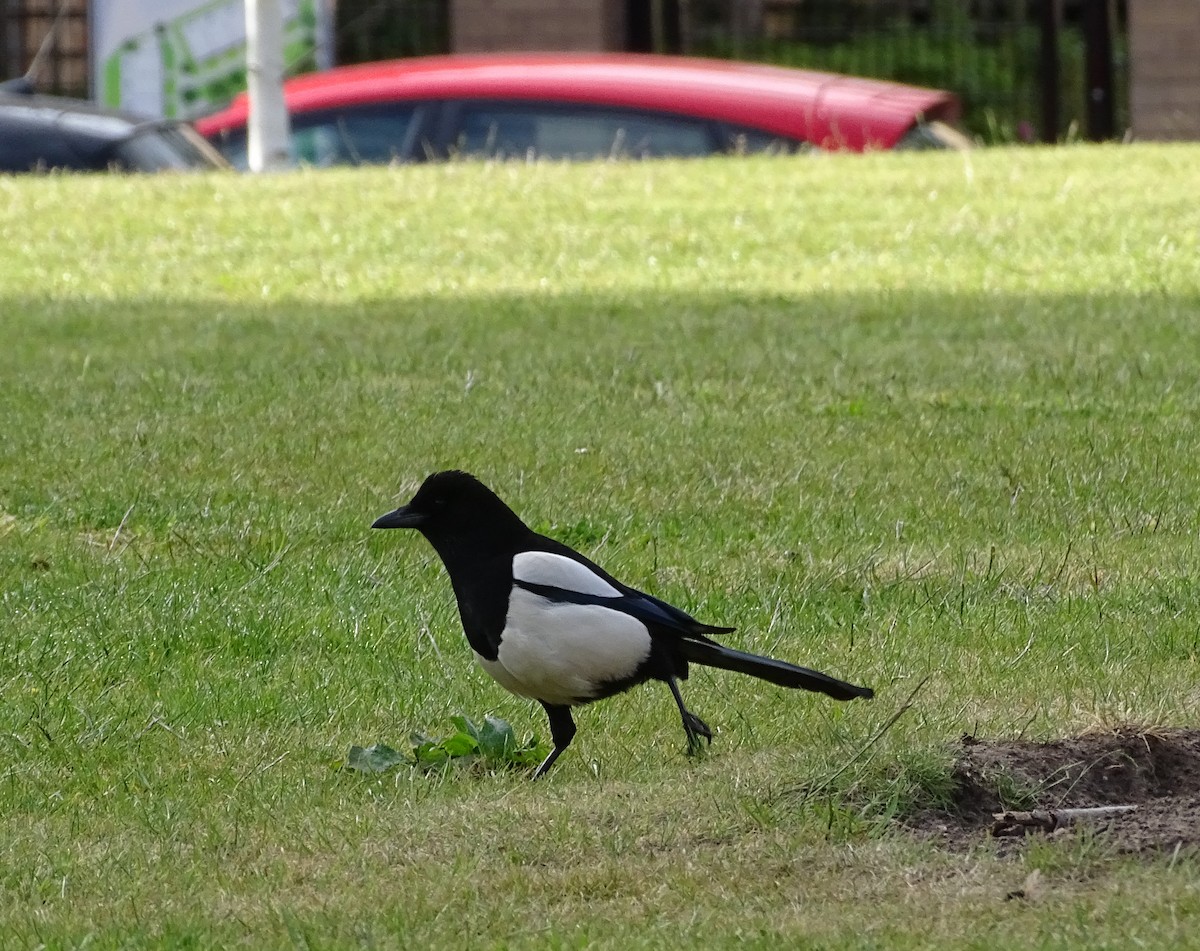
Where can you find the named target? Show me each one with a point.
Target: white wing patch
(559, 571)
(562, 653)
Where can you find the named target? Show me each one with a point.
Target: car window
(558, 131)
(376, 135)
(353, 135)
(744, 140)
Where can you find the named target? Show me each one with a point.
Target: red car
(582, 106)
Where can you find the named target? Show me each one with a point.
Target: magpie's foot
(696, 728)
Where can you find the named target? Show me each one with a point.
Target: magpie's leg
(693, 726)
(562, 731)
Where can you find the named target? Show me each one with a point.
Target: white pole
(268, 123)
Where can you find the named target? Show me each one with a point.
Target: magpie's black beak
(403, 517)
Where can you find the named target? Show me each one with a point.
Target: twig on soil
(1050, 820)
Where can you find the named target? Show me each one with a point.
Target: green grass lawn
(896, 417)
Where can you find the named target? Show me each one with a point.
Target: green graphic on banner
(197, 61)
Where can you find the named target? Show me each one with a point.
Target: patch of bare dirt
(1156, 771)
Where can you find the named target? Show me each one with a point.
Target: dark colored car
(586, 106)
(44, 133)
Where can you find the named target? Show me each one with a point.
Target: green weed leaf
(493, 743)
(496, 739)
(373, 759)
(460, 744)
(465, 725)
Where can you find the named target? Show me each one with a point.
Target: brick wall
(1164, 68)
(495, 25)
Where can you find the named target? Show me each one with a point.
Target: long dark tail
(776, 671)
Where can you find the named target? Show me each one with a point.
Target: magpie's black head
(454, 508)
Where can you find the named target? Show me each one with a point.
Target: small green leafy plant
(492, 744)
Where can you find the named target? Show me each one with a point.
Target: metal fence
(1025, 69)
(368, 30)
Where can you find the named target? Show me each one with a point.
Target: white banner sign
(183, 58)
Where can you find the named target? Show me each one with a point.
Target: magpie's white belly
(562, 653)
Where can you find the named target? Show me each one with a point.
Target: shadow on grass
(894, 331)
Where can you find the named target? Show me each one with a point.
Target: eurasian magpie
(551, 625)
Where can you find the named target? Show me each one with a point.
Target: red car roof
(827, 109)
